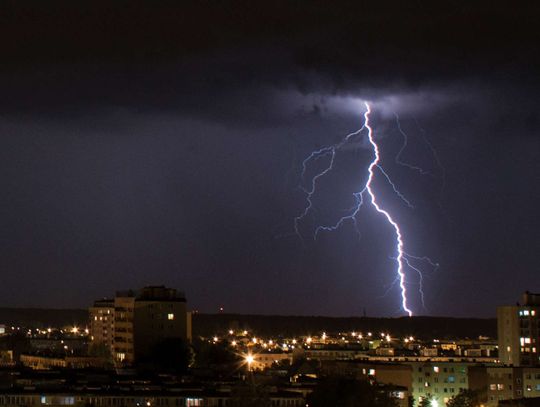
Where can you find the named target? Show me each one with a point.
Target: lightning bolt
(399, 237)
(402, 258)
(315, 155)
(404, 146)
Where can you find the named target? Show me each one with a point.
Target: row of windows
(439, 390)
(101, 318)
(35, 400)
(449, 379)
(437, 369)
(160, 305)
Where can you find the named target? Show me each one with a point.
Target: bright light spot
(434, 403)
(249, 360)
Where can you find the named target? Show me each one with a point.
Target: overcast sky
(146, 143)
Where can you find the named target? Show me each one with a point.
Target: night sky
(162, 143)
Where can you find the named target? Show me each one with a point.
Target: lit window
(500, 386)
(120, 356)
(170, 317)
(526, 312)
(527, 340)
(398, 394)
(372, 372)
(436, 369)
(492, 387)
(533, 313)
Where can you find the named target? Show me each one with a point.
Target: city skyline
(164, 145)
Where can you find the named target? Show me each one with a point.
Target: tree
(426, 401)
(212, 355)
(465, 398)
(172, 355)
(101, 350)
(348, 392)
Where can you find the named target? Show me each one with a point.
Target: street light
(249, 360)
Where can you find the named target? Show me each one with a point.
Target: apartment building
(519, 332)
(135, 322)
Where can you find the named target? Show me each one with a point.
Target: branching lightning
(367, 193)
(404, 146)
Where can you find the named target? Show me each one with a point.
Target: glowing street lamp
(249, 360)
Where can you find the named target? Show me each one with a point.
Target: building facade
(135, 322)
(102, 323)
(441, 381)
(509, 383)
(519, 333)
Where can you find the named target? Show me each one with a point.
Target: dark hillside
(421, 327)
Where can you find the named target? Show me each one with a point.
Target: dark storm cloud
(208, 58)
(161, 142)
